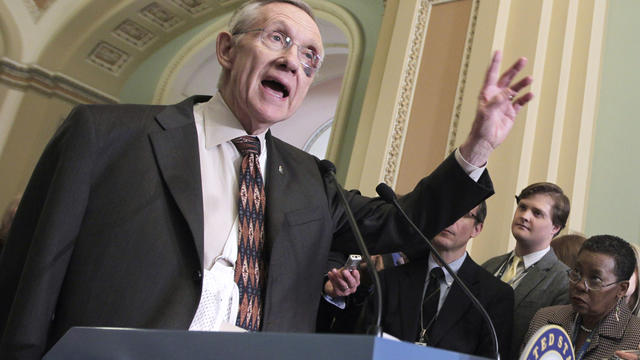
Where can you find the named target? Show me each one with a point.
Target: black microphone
(388, 195)
(327, 168)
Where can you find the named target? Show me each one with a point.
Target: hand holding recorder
(344, 281)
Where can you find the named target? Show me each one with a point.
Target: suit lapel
(456, 302)
(411, 286)
(494, 265)
(177, 155)
(533, 277)
(275, 187)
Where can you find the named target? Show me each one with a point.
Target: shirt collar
(534, 257)
(220, 125)
(454, 265)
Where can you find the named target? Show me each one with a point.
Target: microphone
(327, 168)
(388, 195)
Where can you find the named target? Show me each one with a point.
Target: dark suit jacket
(459, 326)
(546, 284)
(110, 228)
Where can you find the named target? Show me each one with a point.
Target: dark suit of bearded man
(110, 228)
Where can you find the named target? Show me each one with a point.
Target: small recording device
(352, 262)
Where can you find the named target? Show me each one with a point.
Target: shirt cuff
(473, 171)
(338, 301)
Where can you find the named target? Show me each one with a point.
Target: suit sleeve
(538, 320)
(501, 313)
(560, 287)
(436, 202)
(36, 256)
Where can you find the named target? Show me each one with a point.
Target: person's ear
(225, 50)
(624, 286)
(477, 228)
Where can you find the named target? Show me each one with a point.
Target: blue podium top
(114, 343)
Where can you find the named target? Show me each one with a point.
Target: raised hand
(498, 105)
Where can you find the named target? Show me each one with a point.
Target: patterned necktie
(512, 270)
(250, 272)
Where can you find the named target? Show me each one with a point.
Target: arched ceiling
(102, 43)
(106, 40)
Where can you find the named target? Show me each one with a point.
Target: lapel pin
(281, 169)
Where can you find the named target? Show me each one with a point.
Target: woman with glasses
(598, 320)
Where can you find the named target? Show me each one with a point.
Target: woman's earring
(618, 309)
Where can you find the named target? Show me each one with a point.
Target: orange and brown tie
(250, 272)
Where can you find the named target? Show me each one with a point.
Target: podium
(113, 343)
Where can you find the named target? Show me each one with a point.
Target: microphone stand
(375, 329)
(389, 195)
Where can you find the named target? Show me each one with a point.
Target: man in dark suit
(455, 323)
(538, 278)
(131, 207)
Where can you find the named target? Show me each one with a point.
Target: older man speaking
(193, 215)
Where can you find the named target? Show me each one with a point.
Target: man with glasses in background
(423, 304)
(193, 216)
(538, 278)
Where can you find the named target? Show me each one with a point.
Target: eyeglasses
(277, 40)
(591, 284)
(471, 216)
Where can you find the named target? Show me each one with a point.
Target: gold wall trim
(464, 71)
(26, 76)
(409, 77)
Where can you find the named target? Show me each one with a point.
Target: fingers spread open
(508, 75)
(521, 101)
(492, 72)
(524, 82)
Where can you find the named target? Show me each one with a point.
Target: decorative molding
(108, 57)
(25, 76)
(464, 68)
(193, 7)
(317, 134)
(160, 16)
(409, 77)
(192, 47)
(133, 33)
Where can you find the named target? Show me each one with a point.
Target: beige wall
(552, 139)
(435, 92)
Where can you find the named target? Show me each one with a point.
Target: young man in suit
(538, 278)
(132, 216)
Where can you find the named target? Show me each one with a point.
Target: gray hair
(247, 13)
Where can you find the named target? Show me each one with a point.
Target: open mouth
(578, 300)
(277, 87)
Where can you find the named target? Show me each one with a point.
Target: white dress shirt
(448, 279)
(219, 168)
